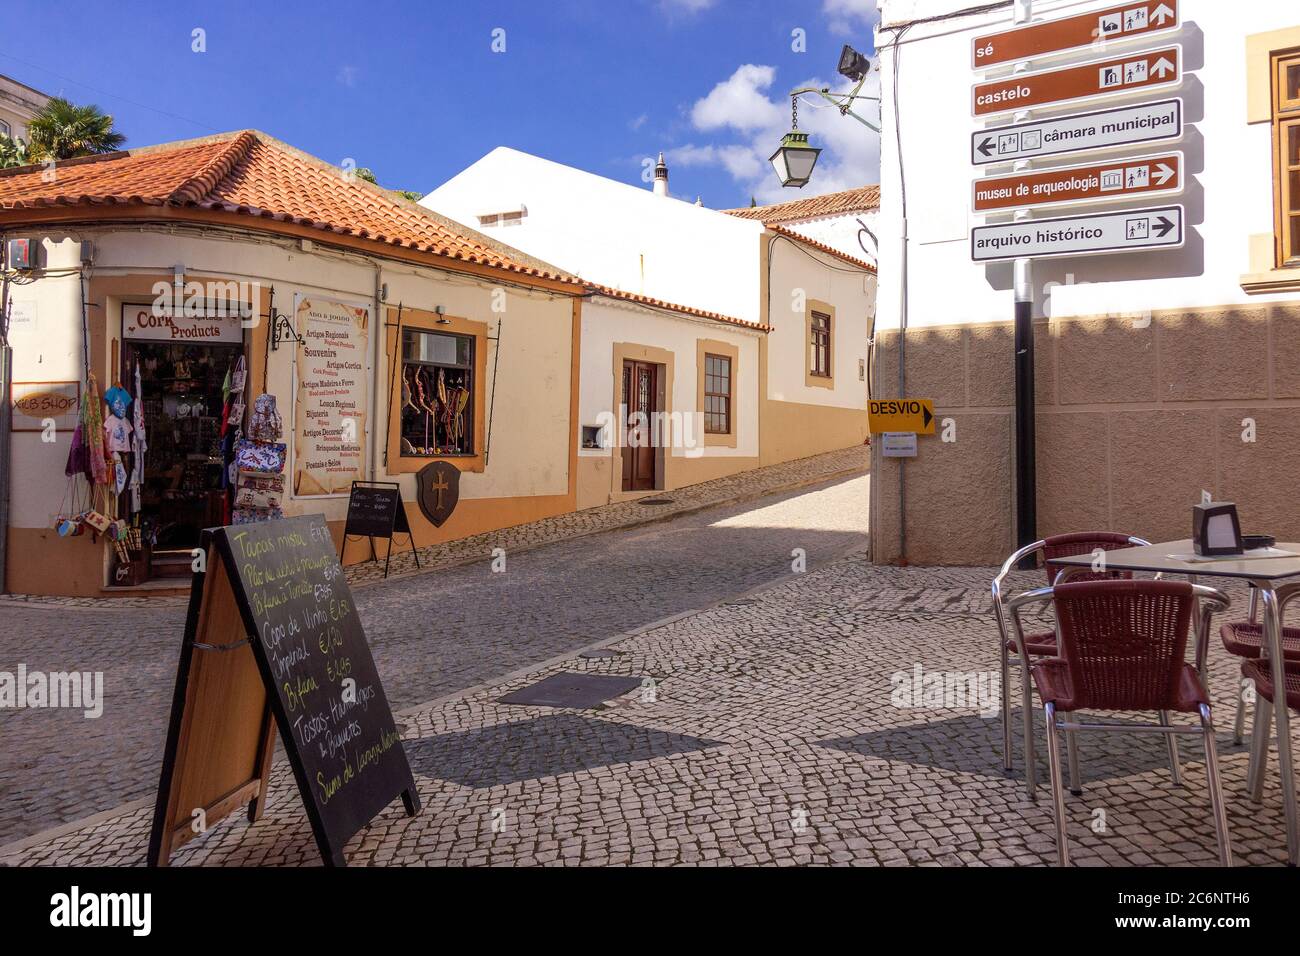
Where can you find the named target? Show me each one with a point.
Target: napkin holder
(1216, 530)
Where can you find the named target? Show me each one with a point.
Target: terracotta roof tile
(251, 174)
(863, 199)
(820, 246)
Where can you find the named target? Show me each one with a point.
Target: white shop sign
(898, 444)
(140, 322)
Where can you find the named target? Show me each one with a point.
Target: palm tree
(64, 131)
(13, 152)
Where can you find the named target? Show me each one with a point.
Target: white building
(18, 104)
(847, 220)
(734, 306)
(1159, 374)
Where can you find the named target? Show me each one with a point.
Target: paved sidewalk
(782, 729)
(734, 489)
(430, 635)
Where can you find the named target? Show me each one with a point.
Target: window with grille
(717, 394)
(437, 394)
(821, 345)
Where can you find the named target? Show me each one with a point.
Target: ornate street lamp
(794, 159)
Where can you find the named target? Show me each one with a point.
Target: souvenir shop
(162, 454)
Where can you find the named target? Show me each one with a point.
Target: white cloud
(685, 6)
(851, 18)
(743, 107)
(638, 122)
(347, 75)
(738, 102)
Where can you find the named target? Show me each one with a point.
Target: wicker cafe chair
(1258, 670)
(1043, 644)
(1245, 639)
(1123, 648)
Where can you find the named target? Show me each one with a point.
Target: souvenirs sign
(272, 640)
(330, 407)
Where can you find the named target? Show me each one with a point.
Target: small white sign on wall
(898, 444)
(22, 315)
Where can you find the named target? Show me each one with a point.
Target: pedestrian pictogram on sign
(901, 415)
(1129, 21)
(1113, 76)
(1071, 185)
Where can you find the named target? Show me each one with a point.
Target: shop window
(1286, 136)
(820, 345)
(717, 394)
(437, 394)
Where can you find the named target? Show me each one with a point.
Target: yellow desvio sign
(901, 415)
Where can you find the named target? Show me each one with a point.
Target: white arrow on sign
(1163, 174)
(1163, 68)
(1133, 230)
(1162, 14)
(1107, 129)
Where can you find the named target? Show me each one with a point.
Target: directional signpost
(1128, 21)
(1108, 129)
(1113, 76)
(1090, 183)
(1132, 230)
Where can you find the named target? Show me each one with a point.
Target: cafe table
(1266, 573)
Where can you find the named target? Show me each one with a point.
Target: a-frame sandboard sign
(272, 639)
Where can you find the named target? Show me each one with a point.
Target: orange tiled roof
(613, 293)
(249, 173)
(819, 246)
(863, 199)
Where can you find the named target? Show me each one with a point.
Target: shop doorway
(184, 488)
(641, 400)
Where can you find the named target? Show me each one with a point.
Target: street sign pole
(1026, 472)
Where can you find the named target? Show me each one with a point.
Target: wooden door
(640, 398)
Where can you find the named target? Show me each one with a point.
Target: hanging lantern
(794, 159)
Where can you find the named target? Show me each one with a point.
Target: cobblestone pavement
(732, 489)
(780, 730)
(431, 635)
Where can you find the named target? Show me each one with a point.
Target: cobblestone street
(781, 728)
(431, 634)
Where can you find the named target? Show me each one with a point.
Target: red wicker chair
(1245, 639)
(1026, 647)
(1123, 648)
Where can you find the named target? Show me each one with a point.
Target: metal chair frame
(1211, 600)
(1261, 731)
(1026, 683)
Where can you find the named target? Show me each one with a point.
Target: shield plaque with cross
(438, 489)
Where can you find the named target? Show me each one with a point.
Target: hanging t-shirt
(117, 434)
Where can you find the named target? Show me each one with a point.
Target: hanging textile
(140, 442)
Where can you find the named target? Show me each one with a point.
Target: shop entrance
(184, 490)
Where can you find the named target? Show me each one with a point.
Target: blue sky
(416, 92)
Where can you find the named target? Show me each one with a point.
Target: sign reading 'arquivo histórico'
(330, 410)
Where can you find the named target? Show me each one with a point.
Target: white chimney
(661, 177)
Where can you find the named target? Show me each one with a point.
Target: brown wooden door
(640, 398)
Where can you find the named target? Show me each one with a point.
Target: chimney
(661, 177)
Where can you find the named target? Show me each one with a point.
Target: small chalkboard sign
(273, 632)
(375, 510)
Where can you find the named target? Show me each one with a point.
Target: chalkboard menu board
(375, 511)
(276, 587)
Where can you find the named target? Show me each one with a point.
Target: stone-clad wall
(1133, 421)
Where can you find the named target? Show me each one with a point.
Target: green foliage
(62, 130)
